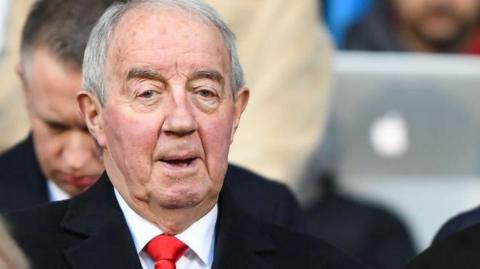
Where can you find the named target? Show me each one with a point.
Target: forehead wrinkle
(144, 16)
(135, 21)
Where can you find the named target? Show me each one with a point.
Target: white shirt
(199, 238)
(55, 193)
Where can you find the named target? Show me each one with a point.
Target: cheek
(47, 143)
(131, 140)
(470, 11)
(216, 141)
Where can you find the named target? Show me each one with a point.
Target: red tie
(165, 251)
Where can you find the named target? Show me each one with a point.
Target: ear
(241, 101)
(19, 71)
(92, 114)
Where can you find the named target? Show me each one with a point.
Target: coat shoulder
(22, 183)
(457, 251)
(36, 222)
(37, 232)
(17, 152)
(265, 199)
(311, 252)
(457, 223)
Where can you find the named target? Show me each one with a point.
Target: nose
(180, 119)
(78, 150)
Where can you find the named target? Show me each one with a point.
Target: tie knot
(166, 248)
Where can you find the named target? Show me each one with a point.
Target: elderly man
(60, 158)
(164, 95)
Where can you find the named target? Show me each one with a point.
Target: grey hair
(93, 78)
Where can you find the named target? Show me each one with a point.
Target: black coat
(458, 223)
(367, 231)
(23, 185)
(89, 231)
(459, 251)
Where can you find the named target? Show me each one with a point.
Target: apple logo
(389, 135)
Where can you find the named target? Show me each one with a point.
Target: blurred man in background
(59, 158)
(419, 26)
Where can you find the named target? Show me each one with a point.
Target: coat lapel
(241, 240)
(103, 240)
(104, 237)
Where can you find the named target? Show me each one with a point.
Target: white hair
(93, 78)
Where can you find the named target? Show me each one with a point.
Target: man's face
(66, 151)
(170, 115)
(439, 22)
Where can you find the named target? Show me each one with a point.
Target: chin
(180, 199)
(74, 191)
(179, 203)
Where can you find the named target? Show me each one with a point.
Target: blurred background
(367, 109)
(403, 124)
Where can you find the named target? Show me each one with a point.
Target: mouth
(81, 181)
(179, 162)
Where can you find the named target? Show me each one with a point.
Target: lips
(81, 181)
(179, 161)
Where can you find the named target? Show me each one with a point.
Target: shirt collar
(199, 237)
(55, 193)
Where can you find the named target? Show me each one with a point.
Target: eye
(206, 93)
(147, 94)
(57, 127)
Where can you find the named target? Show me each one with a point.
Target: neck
(171, 221)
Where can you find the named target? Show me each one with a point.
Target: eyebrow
(209, 74)
(145, 73)
(58, 123)
(151, 74)
(49, 119)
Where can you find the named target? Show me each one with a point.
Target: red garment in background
(473, 47)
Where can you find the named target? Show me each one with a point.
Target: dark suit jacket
(458, 223)
(22, 185)
(89, 231)
(369, 232)
(459, 251)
